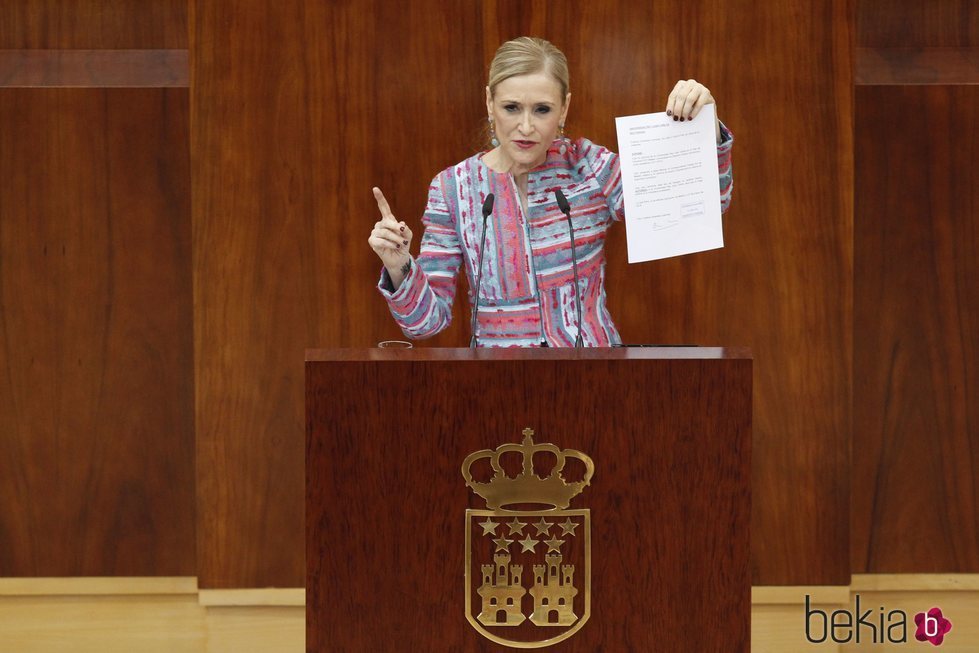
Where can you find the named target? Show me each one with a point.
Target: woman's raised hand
(687, 99)
(390, 240)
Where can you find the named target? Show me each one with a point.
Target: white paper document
(670, 186)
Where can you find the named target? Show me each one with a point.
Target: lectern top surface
(564, 353)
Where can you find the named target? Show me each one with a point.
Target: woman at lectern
(520, 256)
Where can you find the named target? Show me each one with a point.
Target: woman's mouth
(524, 145)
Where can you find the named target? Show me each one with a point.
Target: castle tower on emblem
(502, 593)
(527, 524)
(553, 593)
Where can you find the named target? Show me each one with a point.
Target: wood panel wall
(96, 341)
(300, 107)
(915, 506)
(916, 24)
(93, 24)
(96, 354)
(916, 366)
(283, 163)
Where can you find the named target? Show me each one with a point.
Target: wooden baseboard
(158, 586)
(289, 596)
(796, 594)
(145, 624)
(840, 594)
(98, 585)
(915, 583)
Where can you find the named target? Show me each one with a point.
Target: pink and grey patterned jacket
(527, 289)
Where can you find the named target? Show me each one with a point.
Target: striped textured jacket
(527, 289)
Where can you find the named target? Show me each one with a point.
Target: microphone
(562, 203)
(487, 209)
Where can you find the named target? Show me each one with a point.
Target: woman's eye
(543, 109)
(510, 107)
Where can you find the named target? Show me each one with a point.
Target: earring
(564, 140)
(494, 141)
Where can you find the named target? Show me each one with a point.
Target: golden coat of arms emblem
(528, 570)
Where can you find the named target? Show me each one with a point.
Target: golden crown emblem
(527, 487)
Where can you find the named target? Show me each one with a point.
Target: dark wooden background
(302, 107)
(96, 308)
(915, 495)
(211, 224)
(91, 24)
(96, 346)
(916, 418)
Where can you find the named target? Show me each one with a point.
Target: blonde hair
(525, 56)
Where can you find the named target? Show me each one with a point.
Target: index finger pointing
(382, 204)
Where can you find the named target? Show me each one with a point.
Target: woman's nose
(525, 123)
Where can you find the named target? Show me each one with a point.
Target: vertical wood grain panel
(916, 361)
(93, 24)
(917, 24)
(299, 110)
(96, 358)
(783, 284)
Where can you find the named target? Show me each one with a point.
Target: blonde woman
(527, 293)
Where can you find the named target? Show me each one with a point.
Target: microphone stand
(487, 209)
(562, 203)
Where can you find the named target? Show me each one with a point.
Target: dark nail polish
(681, 119)
(676, 118)
(399, 246)
(402, 229)
(669, 113)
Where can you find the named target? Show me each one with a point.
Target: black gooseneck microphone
(562, 203)
(487, 209)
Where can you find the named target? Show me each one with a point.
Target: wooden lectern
(651, 554)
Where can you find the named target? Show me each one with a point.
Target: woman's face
(527, 111)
